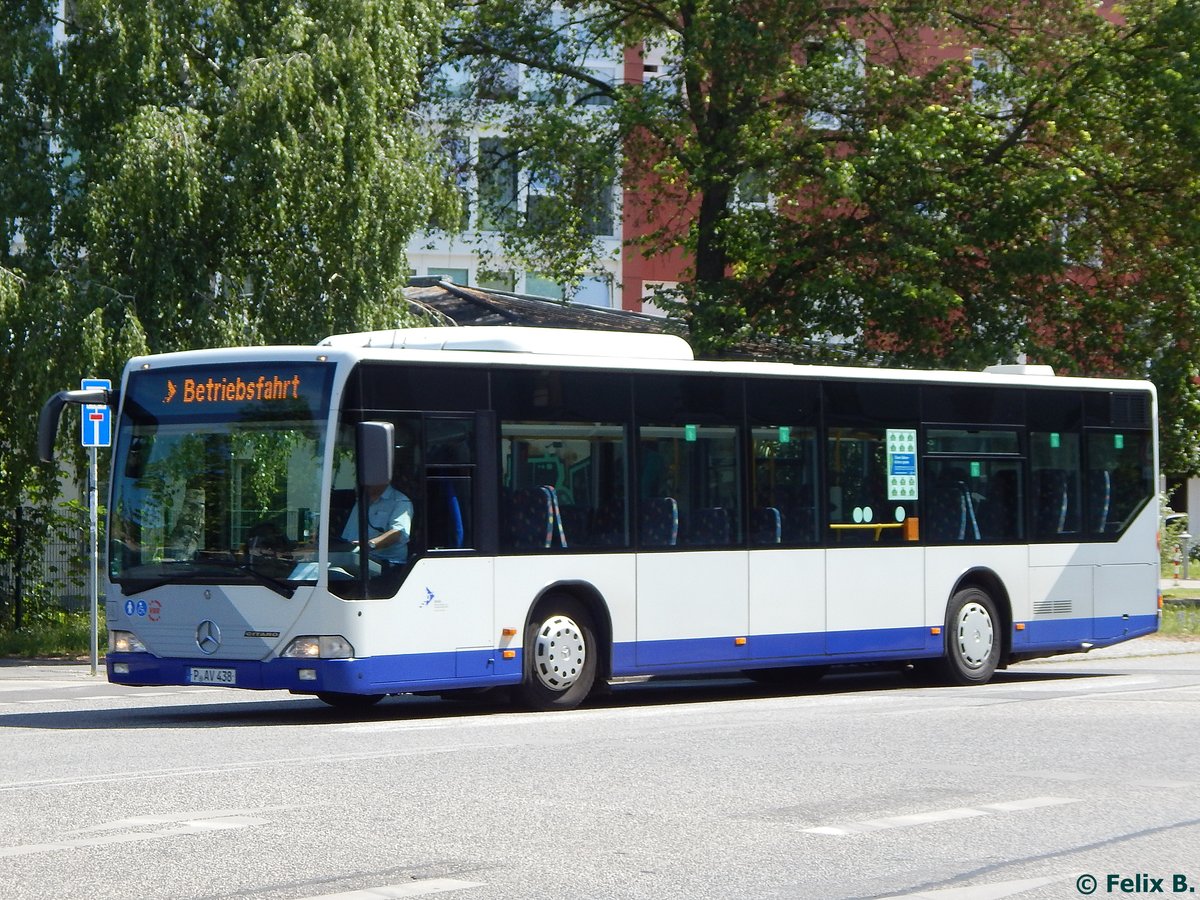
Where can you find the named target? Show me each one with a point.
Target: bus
(572, 507)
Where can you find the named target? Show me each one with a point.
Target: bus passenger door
(455, 583)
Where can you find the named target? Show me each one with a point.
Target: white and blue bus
(584, 506)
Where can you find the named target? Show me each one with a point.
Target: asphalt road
(868, 786)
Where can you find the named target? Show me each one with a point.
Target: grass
(67, 636)
(1180, 618)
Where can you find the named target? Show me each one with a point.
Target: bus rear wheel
(972, 638)
(560, 655)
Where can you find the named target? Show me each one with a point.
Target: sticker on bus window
(1118, 442)
(689, 432)
(976, 469)
(785, 434)
(1055, 440)
(902, 463)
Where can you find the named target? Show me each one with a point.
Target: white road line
(225, 817)
(982, 891)
(944, 815)
(130, 696)
(194, 826)
(1081, 685)
(412, 889)
(240, 765)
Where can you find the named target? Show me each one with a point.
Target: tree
(928, 183)
(178, 175)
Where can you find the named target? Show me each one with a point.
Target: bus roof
(508, 345)
(522, 339)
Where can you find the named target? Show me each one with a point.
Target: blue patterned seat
(1100, 499)
(766, 526)
(530, 519)
(710, 527)
(659, 524)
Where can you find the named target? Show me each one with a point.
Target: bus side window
(783, 475)
(449, 482)
(563, 485)
(1055, 463)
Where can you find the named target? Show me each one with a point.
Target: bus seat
(1053, 501)
(1100, 498)
(999, 513)
(660, 522)
(946, 515)
(455, 532)
(710, 527)
(608, 526)
(531, 519)
(766, 526)
(574, 521)
(341, 501)
(556, 519)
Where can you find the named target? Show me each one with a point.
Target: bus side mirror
(52, 411)
(376, 450)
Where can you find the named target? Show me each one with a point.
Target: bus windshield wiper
(139, 586)
(279, 587)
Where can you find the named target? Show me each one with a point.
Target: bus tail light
(125, 642)
(323, 646)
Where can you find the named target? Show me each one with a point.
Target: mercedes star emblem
(208, 637)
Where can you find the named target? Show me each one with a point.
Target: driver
(389, 521)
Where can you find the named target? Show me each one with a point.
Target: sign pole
(96, 425)
(94, 574)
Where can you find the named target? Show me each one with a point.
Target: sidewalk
(1191, 584)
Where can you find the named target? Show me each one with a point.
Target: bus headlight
(324, 646)
(125, 642)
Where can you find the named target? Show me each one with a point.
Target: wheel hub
(559, 653)
(975, 635)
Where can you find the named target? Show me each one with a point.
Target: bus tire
(973, 638)
(560, 655)
(349, 701)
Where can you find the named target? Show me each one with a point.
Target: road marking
(207, 819)
(982, 891)
(412, 889)
(130, 696)
(943, 815)
(240, 765)
(1081, 685)
(193, 824)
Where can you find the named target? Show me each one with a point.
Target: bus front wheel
(560, 655)
(972, 638)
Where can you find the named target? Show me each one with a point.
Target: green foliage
(923, 209)
(1181, 619)
(58, 634)
(177, 175)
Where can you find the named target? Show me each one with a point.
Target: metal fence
(43, 569)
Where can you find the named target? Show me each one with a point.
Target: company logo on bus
(208, 637)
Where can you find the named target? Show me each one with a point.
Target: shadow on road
(254, 711)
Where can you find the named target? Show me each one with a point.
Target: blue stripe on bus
(1069, 634)
(481, 668)
(373, 675)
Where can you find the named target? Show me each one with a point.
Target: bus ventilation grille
(1057, 607)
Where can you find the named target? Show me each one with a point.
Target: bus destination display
(230, 391)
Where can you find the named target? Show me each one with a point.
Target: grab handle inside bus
(376, 450)
(52, 412)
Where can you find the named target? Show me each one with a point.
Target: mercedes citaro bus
(588, 505)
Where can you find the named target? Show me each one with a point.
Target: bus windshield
(217, 476)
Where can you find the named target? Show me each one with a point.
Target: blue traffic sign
(97, 420)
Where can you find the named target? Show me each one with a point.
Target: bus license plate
(213, 676)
